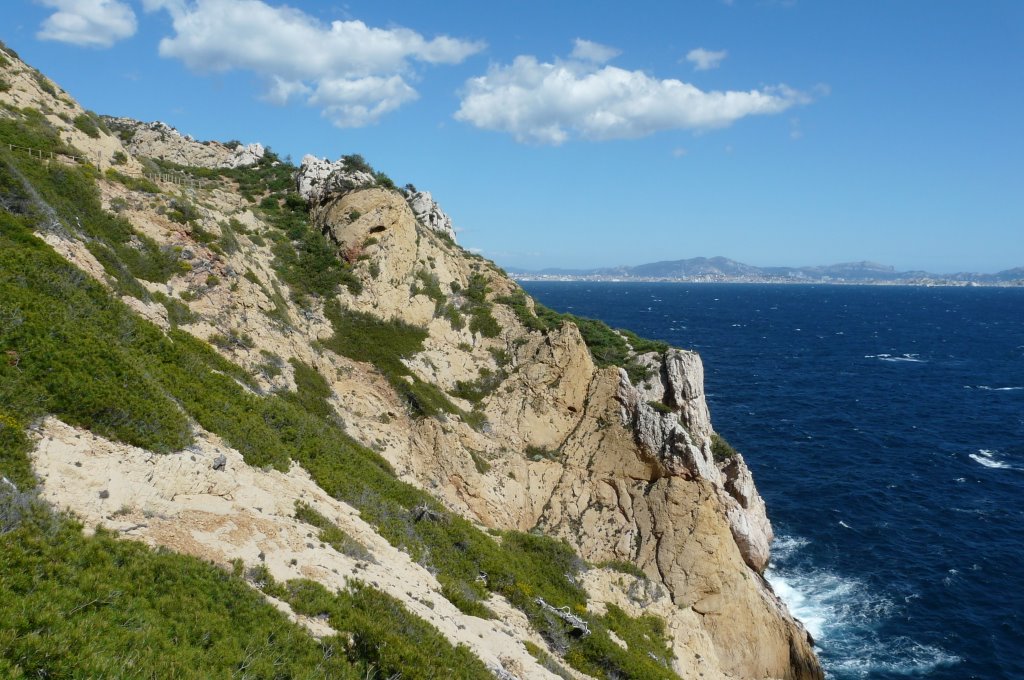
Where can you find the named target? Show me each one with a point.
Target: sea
(885, 429)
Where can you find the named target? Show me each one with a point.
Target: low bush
(721, 450)
(134, 183)
(75, 351)
(78, 607)
(331, 534)
(397, 642)
(87, 124)
(478, 308)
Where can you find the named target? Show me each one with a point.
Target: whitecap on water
(991, 459)
(911, 358)
(986, 388)
(843, 614)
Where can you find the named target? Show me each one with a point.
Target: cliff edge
(304, 379)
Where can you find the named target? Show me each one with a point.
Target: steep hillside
(399, 461)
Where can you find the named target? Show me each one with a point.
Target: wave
(986, 388)
(843, 615)
(912, 358)
(991, 459)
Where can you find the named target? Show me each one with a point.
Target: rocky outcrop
(578, 451)
(162, 141)
(429, 213)
(320, 180)
(558, 444)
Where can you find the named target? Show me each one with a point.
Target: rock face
(560, 445)
(319, 178)
(160, 140)
(614, 476)
(320, 181)
(429, 213)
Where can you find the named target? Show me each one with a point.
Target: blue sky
(774, 132)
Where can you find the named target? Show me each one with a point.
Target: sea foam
(843, 615)
(991, 459)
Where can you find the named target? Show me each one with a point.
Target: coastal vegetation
(72, 349)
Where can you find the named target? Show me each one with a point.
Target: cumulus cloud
(549, 103)
(705, 60)
(88, 23)
(585, 50)
(355, 72)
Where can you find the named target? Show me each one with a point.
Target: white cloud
(356, 73)
(88, 23)
(549, 103)
(356, 102)
(584, 50)
(705, 60)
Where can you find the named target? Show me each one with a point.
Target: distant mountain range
(726, 270)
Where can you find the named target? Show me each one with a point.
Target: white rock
(319, 178)
(429, 213)
(246, 155)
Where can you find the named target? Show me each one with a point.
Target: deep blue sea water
(885, 429)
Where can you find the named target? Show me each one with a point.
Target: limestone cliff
(501, 411)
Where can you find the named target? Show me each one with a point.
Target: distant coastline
(927, 283)
(724, 270)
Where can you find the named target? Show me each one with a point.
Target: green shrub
(183, 211)
(364, 337)
(721, 450)
(228, 241)
(479, 462)
(44, 83)
(624, 567)
(312, 391)
(478, 308)
(465, 599)
(397, 642)
(546, 660)
(475, 391)
(178, 312)
(86, 124)
(77, 607)
(4, 84)
(331, 534)
(87, 358)
(134, 183)
(660, 407)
